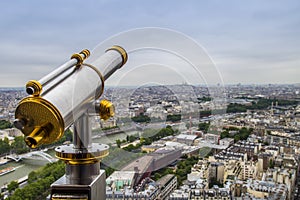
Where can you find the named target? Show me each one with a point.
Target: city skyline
(250, 42)
(170, 136)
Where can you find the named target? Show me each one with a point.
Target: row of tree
(257, 104)
(149, 136)
(260, 104)
(183, 168)
(5, 124)
(141, 119)
(153, 135)
(242, 134)
(38, 182)
(18, 146)
(129, 138)
(147, 119)
(173, 118)
(204, 99)
(203, 126)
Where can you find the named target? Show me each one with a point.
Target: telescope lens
(31, 142)
(38, 136)
(30, 90)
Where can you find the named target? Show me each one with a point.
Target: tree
(5, 124)
(69, 135)
(157, 176)
(131, 138)
(203, 127)
(118, 143)
(32, 176)
(205, 113)
(271, 164)
(214, 181)
(204, 99)
(173, 118)
(12, 186)
(145, 141)
(38, 188)
(4, 146)
(130, 147)
(141, 119)
(236, 108)
(109, 171)
(19, 145)
(224, 134)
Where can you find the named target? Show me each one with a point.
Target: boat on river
(7, 170)
(3, 162)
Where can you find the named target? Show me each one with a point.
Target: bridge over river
(32, 156)
(24, 164)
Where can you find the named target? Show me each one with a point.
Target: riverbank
(24, 168)
(21, 170)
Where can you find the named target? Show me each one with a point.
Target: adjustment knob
(106, 109)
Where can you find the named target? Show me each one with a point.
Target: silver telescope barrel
(75, 60)
(35, 87)
(43, 116)
(50, 77)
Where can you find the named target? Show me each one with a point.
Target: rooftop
(186, 137)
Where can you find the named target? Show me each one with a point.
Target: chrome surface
(73, 95)
(94, 190)
(82, 174)
(82, 133)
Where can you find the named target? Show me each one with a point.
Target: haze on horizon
(250, 42)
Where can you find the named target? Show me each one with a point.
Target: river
(23, 169)
(111, 139)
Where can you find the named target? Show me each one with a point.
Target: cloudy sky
(247, 41)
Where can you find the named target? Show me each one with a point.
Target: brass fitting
(106, 109)
(86, 53)
(73, 156)
(121, 51)
(34, 88)
(39, 121)
(38, 135)
(80, 57)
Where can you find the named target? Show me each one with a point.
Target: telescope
(68, 96)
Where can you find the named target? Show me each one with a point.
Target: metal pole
(82, 133)
(83, 178)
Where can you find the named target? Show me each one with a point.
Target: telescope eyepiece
(31, 142)
(30, 90)
(33, 87)
(37, 136)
